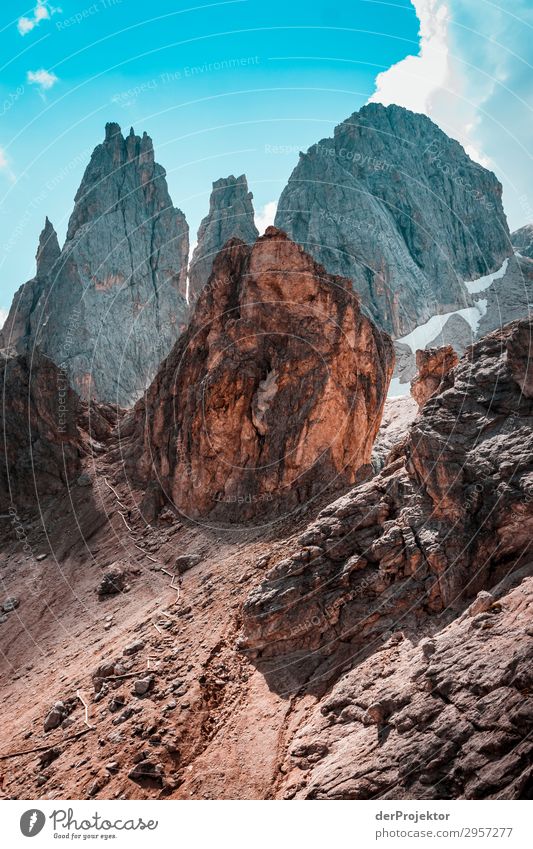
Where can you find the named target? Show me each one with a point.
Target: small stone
(142, 685)
(374, 715)
(113, 582)
(10, 604)
(186, 562)
(117, 702)
(133, 648)
(482, 603)
(146, 770)
(427, 647)
(50, 755)
(41, 556)
(112, 766)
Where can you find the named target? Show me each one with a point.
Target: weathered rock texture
(522, 240)
(111, 310)
(446, 717)
(450, 514)
(432, 366)
(399, 208)
(272, 395)
(16, 332)
(40, 440)
(231, 214)
(45, 430)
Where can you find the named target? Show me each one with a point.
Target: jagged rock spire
(231, 213)
(48, 250)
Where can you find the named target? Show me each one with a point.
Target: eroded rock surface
(398, 207)
(509, 298)
(274, 393)
(231, 214)
(46, 430)
(432, 365)
(449, 515)
(429, 718)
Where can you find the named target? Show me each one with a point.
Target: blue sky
(241, 86)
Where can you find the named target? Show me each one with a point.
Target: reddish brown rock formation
(432, 364)
(45, 430)
(450, 515)
(273, 394)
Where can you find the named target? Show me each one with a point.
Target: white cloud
(434, 81)
(412, 81)
(3, 316)
(41, 12)
(44, 79)
(472, 76)
(266, 217)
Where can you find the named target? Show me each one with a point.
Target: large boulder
(273, 395)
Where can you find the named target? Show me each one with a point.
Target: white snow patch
(425, 333)
(482, 283)
(3, 316)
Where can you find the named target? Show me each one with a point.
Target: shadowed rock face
(231, 214)
(445, 717)
(399, 208)
(273, 394)
(16, 332)
(40, 438)
(449, 514)
(45, 431)
(110, 308)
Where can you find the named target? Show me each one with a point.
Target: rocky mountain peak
(15, 335)
(231, 214)
(108, 307)
(398, 207)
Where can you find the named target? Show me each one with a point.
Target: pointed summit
(118, 278)
(48, 250)
(21, 322)
(231, 213)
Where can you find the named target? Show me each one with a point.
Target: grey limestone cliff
(109, 309)
(398, 207)
(522, 240)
